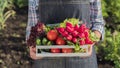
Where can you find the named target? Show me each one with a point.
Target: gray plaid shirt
(96, 17)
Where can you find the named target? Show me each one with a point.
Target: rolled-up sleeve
(96, 17)
(32, 16)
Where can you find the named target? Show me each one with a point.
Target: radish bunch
(75, 33)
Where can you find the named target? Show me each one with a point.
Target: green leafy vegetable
(73, 21)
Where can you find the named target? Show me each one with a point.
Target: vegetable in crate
(76, 32)
(36, 31)
(44, 41)
(55, 50)
(52, 35)
(38, 41)
(67, 50)
(40, 29)
(60, 41)
(69, 32)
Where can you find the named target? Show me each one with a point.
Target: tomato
(52, 35)
(60, 41)
(55, 50)
(67, 50)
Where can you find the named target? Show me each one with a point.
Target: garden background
(13, 21)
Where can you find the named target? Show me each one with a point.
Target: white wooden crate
(48, 54)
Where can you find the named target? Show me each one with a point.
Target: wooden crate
(87, 53)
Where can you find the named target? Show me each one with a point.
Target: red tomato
(52, 35)
(60, 41)
(55, 50)
(67, 50)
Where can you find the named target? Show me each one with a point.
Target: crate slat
(62, 54)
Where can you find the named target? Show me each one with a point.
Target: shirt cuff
(100, 28)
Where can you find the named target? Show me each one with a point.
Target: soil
(13, 50)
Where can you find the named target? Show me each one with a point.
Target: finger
(33, 55)
(33, 49)
(32, 52)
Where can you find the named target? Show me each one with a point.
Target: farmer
(49, 11)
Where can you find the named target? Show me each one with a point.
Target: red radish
(61, 32)
(69, 24)
(75, 33)
(65, 33)
(86, 34)
(82, 28)
(87, 29)
(82, 42)
(76, 27)
(88, 41)
(55, 50)
(81, 35)
(61, 29)
(83, 25)
(69, 37)
(69, 29)
(74, 40)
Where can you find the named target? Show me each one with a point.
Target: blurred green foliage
(20, 3)
(5, 12)
(111, 9)
(111, 13)
(110, 47)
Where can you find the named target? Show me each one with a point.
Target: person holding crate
(56, 11)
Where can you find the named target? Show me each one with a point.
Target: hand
(98, 34)
(89, 51)
(33, 52)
